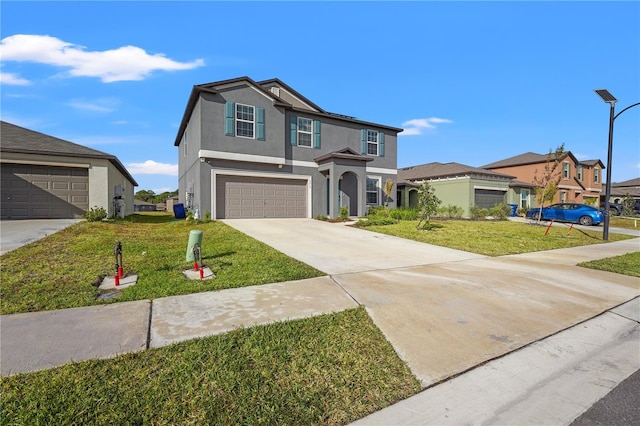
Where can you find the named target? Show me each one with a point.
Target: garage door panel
(41, 192)
(257, 197)
(487, 198)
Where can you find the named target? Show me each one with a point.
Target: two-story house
(252, 149)
(580, 181)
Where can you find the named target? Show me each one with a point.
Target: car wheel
(535, 215)
(586, 220)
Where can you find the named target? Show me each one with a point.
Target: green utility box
(195, 238)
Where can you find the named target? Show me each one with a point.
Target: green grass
(628, 264)
(495, 238)
(331, 369)
(625, 222)
(63, 270)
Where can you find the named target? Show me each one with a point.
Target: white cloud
(13, 79)
(99, 105)
(416, 126)
(122, 64)
(150, 167)
(638, 166)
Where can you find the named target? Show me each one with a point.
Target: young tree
(427, 204)
(547, 182)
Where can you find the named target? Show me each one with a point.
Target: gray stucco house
(44, 177)
(252, 149)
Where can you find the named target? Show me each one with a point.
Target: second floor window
(372, 142)
(305, 131)
(596, 175)
(579, 172)
(245, 121)
(565, 170)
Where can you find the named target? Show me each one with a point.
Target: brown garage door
(256, 197)
(44, 192)
(487, 198)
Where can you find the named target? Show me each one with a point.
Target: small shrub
(372, 221)
(522, 211)
(377, 211)
(207, 217)
(450, 211)
(95, 214)
(344, 213)
(322, 217)
(478, 213)
(500, 211)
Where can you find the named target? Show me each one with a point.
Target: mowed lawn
(65, 269)
(496, 238)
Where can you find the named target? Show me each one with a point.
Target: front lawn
(495, 238)
(64, 269)
(332, 369)
(628, 264)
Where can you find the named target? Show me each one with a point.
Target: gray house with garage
(252, 149)
(44, 177)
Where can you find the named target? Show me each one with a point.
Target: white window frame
(242, 120)
(373, 139)
(596, 175)
(580, 172)
(566, 170)
(524, 199)
(378, 180)
(563, 196)
(308, 133)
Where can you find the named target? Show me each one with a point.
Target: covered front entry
(260, 197)
(32, 191)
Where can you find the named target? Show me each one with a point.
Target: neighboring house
(461, 185)
(143, 206)
(170, 203)
(44, 177)
(580, 181)
(261, 149)
(620, 190)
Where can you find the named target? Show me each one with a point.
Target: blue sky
(471, 82)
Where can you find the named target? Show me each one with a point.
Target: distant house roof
(592, 163)
(17, 139)
(261, 86)
(627, 183)
(441, 170)
(526, 158)
(137, 202)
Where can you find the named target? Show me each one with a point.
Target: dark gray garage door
(487, 198)
(44, 192)
(257, 197)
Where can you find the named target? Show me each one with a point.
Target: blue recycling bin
(514, 208)
(178, 211)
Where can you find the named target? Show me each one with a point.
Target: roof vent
(275, 91)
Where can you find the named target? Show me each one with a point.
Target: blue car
(569, 212)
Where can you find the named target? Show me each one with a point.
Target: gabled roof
(524, 159)
(17, 139)
(213, 88)
(592, 163)
(631, 182)
(439, 170)
(345, 153)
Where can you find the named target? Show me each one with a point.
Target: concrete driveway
(17, 233)
(445, 310)
(338, 249)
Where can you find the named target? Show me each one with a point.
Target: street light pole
(611, 100)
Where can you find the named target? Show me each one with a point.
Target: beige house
(44, 177)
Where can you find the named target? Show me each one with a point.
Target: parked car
(615, 209)
(569, 212)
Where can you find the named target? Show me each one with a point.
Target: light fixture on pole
(608, 98)
(611, 100)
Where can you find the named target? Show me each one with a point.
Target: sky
(470, 82)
